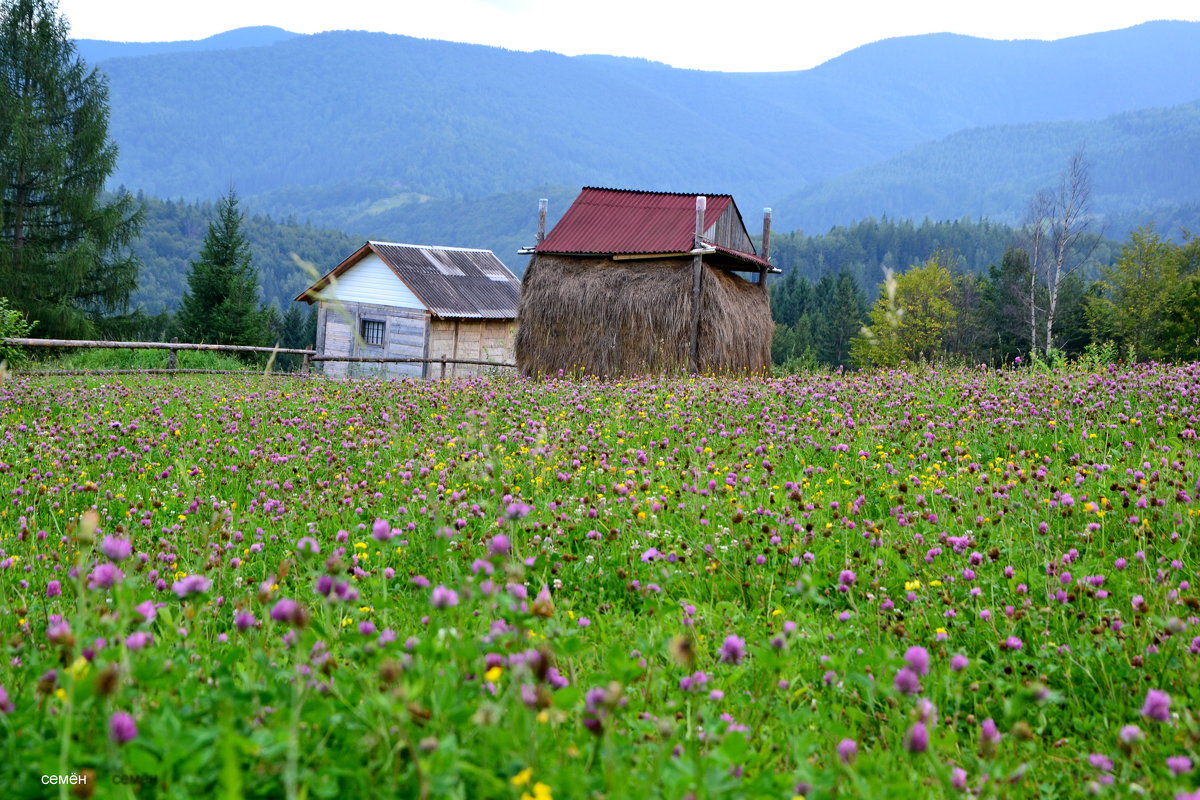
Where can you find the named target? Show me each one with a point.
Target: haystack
(610, 291)
(596, 316)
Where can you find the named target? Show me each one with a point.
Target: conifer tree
(64, 257)
(221, 304)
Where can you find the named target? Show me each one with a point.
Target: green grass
(707, 585)
(119, 358)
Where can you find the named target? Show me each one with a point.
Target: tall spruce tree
(64, 258)
(221, 304)
(843, 310)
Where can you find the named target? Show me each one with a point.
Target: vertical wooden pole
(454, 355)
(305, 364)
(542, 219)
(697, 267)
(173, 356)
(766, 244)
(425, 368)
(482, 357)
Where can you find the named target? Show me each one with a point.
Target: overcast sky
(726, 35)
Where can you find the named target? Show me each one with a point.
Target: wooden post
(443, 375)
(454, 352)
(542, 219)
(173, 356)
(766, 244)
(305, 364)
(697, 267)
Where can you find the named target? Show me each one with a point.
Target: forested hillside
(396, 120)
(1145, 165)
(174, 231)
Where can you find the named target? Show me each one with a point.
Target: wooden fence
(174, 346)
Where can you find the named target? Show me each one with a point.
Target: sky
(727, 36)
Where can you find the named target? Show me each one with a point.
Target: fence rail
(175, 346)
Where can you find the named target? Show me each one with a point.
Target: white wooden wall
(371, 281)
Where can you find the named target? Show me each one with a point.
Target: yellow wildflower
(540, 792)
(79, 668)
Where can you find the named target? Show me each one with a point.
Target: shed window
(372, 332)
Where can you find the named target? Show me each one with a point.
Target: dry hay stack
(597, 316)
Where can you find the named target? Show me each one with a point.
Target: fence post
(304, 365)
(442, 377)
(173, 356)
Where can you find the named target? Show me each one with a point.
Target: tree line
(1145, 305)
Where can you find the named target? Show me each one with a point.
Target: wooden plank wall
(486, 340)
(404, 337)
(729, 232)
(411, 334)
(337, 340)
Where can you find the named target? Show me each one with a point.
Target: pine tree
(844, 314)
(221, 304)
(64, 257)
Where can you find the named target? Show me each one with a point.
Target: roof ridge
(650, 191)
(431, 246)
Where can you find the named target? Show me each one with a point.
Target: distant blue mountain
(366, 130)
(96, 50)
(1144, 165)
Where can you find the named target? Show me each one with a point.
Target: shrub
(13, 325)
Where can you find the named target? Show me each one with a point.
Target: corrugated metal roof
(613, 221)
(449, 281)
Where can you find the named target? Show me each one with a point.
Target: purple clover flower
(191, 584)
(517, 510)
(917, 659)
(847, 750)
(733, 650)
(1157, 706)
(146, 611)
(907, 681)
(137, 640)
(443, 597)
(289, 611)
(381, 530)
(58, 631)
(917, 738)
(104, 576)
(116, 548)
(499, 546)
(989, 736)
(1130, 734)
(1179, 765)
(122, 728)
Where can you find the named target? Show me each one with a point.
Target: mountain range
(392, 137)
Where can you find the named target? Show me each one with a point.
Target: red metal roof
(612, 221)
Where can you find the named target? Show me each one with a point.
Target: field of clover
(933, 584)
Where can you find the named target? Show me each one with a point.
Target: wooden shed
(635, 282)
(415, 301)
